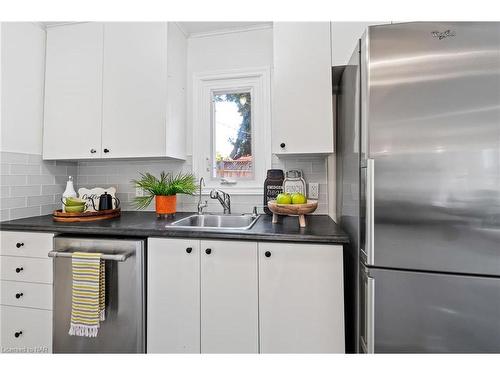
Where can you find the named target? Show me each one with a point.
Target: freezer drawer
(417, 312)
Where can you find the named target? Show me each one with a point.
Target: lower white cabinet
(173, 312)
(25, 292)
(215, 296)
(229, 297)
(25, 330)
(301, 300)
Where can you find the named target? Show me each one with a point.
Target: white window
(231, 129)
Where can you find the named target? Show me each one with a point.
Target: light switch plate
(313, 190)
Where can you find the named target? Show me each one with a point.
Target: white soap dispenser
(69, 192)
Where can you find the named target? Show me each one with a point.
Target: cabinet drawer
(26, 244)
(26, 269)
(32, 327)
(20, 294)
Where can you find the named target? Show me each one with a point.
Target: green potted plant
(164, 190)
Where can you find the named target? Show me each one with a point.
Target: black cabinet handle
(19, 244)
(19, 269)
(93, 150)
(19, 295)
(106, 150)
(189, 249)
(17, 334)
(208, 251)
(267, 254)
(282, 145)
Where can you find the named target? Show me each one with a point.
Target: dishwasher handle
(69, 253)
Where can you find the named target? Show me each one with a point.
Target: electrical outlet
(313, 190)
(139, 192)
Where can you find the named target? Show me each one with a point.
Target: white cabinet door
(345, 35)
(134, 89)
(173, 321)
(25, 330)
(73, 92)
(302, 82)
(301, 298)
(229, 297)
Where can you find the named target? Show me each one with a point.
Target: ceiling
(195, 27)
(204, 27)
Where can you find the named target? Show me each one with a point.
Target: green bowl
(75, 209)
(70, 201)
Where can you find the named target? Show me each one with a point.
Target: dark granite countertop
(320, 228)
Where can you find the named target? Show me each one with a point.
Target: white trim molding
(258, 80)
(242, 29)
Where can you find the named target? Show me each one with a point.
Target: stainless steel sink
(221, 222)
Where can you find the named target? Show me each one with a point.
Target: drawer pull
(17, 334)
(19, 269)
(189, 249)
(19, 295)
(208, 251)
(19, 244)
(267, 254)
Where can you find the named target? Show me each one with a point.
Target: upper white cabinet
(73, 92)
(302, 88)
(344, 38)
(115, 90)
(301, 298)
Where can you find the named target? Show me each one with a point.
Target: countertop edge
(199, 234)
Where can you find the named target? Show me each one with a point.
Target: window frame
(257, 81)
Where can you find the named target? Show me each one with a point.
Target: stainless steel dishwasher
(123, 331)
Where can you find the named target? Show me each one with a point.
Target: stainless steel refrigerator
(418, 172)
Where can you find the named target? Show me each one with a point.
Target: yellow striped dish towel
(88, 294)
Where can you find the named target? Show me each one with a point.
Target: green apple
(298, 198)
(284, 198)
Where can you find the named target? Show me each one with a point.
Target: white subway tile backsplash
(18, 213)
(41, 180)
(13, 158)
(24, 169)
(52, 189)
(24, 191)
(119, 173)
(40, 200)
(12, 202)
(31, 186)
(4, 215)
(4, 169)
(9, 180)
(49, 208)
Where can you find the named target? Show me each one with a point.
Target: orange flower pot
(166, 204)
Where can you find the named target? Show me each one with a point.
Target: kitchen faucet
(201, 206)
(224, 199)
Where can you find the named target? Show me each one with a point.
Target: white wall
(23, 66)
(240, 50)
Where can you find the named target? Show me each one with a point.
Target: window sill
(234, 190)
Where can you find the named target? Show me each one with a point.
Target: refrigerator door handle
(370, 315)
(370, 185)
